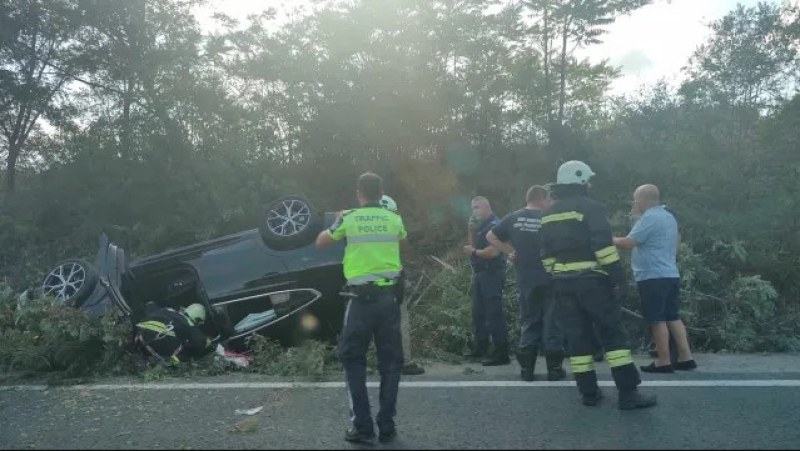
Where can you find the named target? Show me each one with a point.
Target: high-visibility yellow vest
(373, 237)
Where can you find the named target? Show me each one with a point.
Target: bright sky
(652, 43)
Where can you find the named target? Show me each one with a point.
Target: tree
(750, 61)
(37, 59)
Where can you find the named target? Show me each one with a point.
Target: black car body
(248, 273)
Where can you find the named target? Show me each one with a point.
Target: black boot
(632, 399)
(587, 386)
(527, 361)
(479, 350)
(555, 370)
(499, 356)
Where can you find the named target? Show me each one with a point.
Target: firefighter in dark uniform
(372, 267)
(173, 336)
(577, 249)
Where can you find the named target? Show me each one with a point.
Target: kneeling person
(173, 336)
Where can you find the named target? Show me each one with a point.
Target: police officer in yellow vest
(371, 267)
(588, 279)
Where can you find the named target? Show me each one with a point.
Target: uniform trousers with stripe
(586, 304)
(372, 315)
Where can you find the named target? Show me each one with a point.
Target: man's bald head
(646, 196)
(481, 208)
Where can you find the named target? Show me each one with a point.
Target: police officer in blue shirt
(489, 274)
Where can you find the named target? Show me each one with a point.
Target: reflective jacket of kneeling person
(173, 336)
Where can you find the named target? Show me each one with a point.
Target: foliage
(162, 135)
(41, 336)
(441, 310)
(312, 359)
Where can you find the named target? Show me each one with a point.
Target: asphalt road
(449, 407)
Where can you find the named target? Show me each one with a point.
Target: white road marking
(406, 384)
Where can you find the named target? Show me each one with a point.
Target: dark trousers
(586, 304)
(376, 315)
(488, 318)
(539, 327)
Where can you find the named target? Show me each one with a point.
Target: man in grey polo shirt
(654, 240)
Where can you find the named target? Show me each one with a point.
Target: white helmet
(196, 313)
(388, 203)
(574, 173)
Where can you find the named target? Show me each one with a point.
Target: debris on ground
(249, 412)
(245, 426)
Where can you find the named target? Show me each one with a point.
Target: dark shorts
(659, 299)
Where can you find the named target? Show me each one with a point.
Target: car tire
(70, 281)
(290, 222)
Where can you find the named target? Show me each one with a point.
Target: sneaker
(685, 366)
(387, 436)
(354, 436)
(652, 368)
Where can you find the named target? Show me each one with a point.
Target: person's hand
(468, 249)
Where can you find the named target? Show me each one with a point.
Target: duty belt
(366, 293)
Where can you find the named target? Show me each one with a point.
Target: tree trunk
(126, 119)
(547, 101)
(562, 97)
(11, 167)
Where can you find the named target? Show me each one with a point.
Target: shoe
(685, 366)
(479, 351)
(632, 399)
(354, 436)
(527, 361)
(412, 369)
(555, 371)
(498, 357)
(526, 374)
(556, 374)
(592, 399)
(387, 436)
(652, 368)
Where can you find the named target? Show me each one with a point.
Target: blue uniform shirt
(479, 238)
(656, 233)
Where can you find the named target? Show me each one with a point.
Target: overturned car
(270, 280)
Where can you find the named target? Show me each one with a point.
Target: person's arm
(640, 232)
(324, 239)
(332, 234)
(498, 244)
(487, 252)
(602, 244)
(548, 260)
(624, 243)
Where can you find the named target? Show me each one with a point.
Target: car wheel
(290, 222)
(71, 281)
